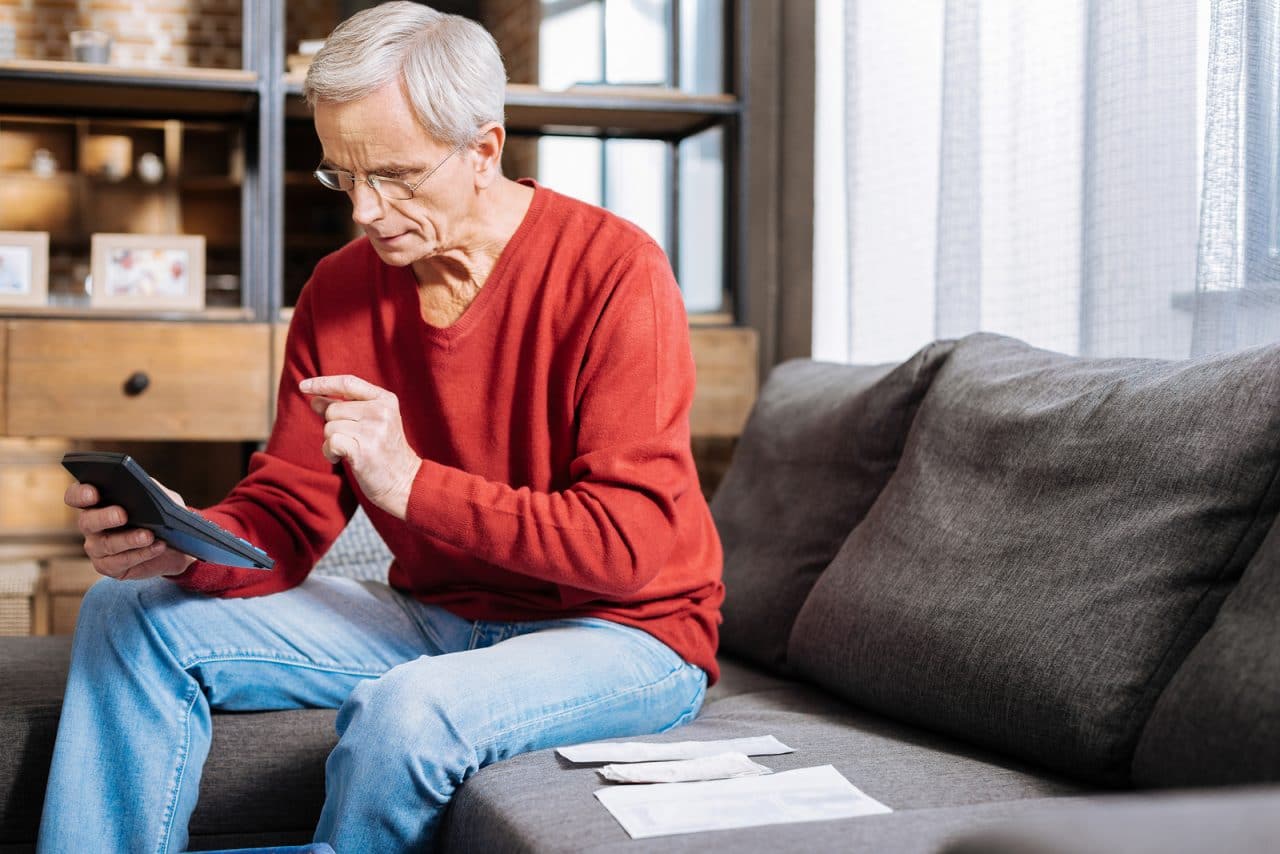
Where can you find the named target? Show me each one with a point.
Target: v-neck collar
(495, 285)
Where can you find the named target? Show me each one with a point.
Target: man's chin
(395, 256)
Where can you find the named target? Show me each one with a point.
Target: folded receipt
(724, 766)
(643, 751)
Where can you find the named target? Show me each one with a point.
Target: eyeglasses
(388, 188)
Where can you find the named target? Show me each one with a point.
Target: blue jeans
(425, 700)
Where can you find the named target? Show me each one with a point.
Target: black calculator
(121, 481)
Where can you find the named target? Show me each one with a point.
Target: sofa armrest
(1240, 820)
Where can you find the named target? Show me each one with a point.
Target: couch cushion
(33, 673)
(1242, 821)
(265, 773)
(1058, 534)
(819, 446)
(264, 778)
(1219, 720)
(539, 802)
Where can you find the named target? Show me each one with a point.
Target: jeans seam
(184, 754)
(691, 713)
(193, 661)
(587, 704)
(428, 631)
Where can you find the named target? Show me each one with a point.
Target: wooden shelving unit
(72, 175)
(92, 89)
(271, 181)
(652, 113)
(215, 314)
(172, 77)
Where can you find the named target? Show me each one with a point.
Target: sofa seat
(939, 786)
(1241, 821)
(267, 769)
(264, 776)
(33, 672)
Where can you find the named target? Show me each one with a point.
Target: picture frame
(24, 269)
(147, 271)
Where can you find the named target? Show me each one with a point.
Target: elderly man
(501, 377)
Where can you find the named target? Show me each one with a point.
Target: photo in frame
(147, 271)
(24, 268)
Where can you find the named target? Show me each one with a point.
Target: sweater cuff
(440, 505)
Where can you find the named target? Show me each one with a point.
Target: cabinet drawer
(190, 380)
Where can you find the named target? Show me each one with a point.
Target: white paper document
(806, 794)
(724, 766)
(643, 751)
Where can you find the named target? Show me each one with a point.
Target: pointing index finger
(341, 386)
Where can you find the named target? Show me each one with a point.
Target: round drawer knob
(136, 384)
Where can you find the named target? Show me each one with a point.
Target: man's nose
(366, 203)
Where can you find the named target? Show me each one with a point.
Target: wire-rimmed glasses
(389, 188)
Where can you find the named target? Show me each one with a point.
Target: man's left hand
(363, 427)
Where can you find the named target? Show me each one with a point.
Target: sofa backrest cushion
(1218, 721)
(817, 449)
(1059, 533)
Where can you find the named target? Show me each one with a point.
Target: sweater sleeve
(292, 504)
(610, 532)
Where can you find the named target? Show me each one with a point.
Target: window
(683, 209)
(672, 188)
(675, 43)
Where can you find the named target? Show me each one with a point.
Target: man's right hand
(127, 554)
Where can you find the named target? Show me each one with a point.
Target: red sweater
(553, 424)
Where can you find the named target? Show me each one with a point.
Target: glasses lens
(391, 188)
(333, 179)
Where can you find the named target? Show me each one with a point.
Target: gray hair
(450, 67)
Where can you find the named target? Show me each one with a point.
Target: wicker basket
(20, 593)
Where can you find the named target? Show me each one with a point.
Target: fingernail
(142, 539)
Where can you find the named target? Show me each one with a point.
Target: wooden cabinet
(725, 361)
(67, 580)
(136, 379)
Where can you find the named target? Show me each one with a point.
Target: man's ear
(488, 162)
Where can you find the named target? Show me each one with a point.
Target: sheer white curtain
(1238, 282)
(1038, 169)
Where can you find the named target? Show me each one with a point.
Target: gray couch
(1030, 602)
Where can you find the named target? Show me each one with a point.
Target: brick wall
(146, 33)
(206, 33)
(514, 25)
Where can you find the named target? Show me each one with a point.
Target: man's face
(378, 135)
